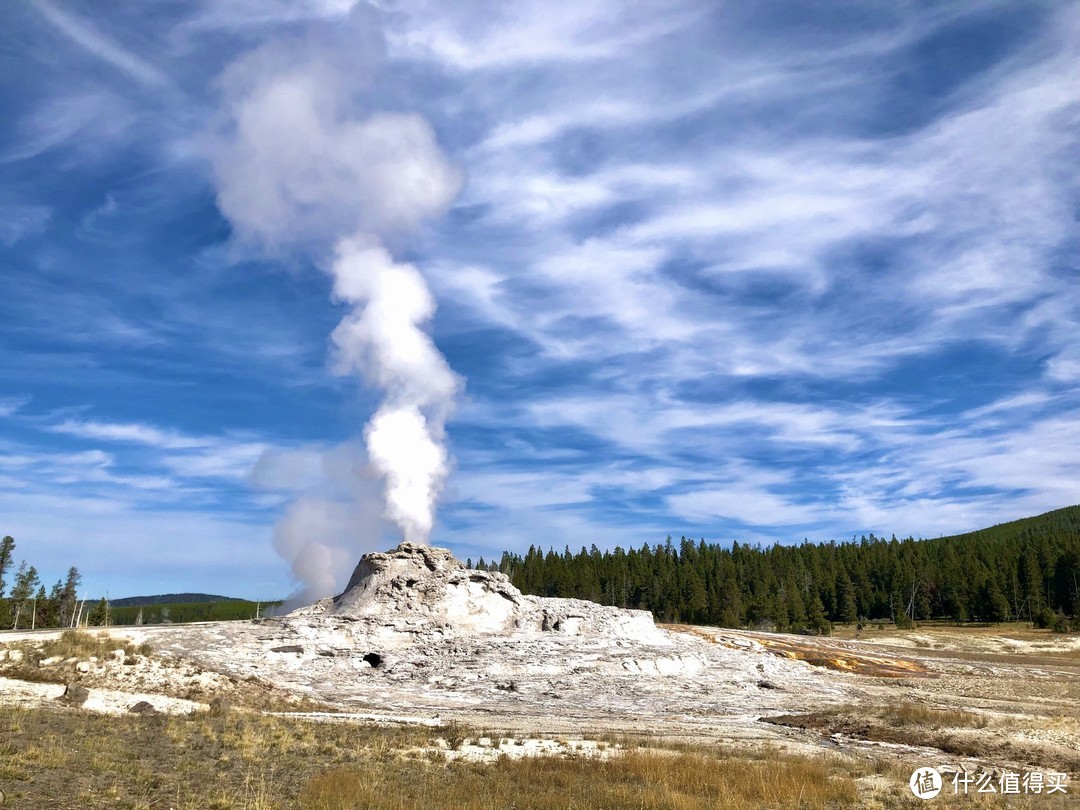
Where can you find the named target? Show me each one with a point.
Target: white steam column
(301, 171)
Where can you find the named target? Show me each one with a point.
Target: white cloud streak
(84, 35)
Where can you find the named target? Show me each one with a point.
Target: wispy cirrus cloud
(131, 432)
(468, 38)
(755, 272)
(19, 221)
(10, 405)
(766, 292)
(82, 33)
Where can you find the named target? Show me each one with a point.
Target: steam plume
(383, 340)
(300, 170)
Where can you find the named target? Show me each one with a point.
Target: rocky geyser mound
(417, 634)
(417, 588)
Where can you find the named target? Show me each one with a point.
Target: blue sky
(737, 271)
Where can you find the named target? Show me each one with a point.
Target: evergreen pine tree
(796, 607)
(26, 582)
(845, 589)
(7, 549)
(99, 613)
(69, 595)
(816, 620)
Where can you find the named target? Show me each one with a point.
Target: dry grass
(871, 629)
(639, 779)
(70, 758)
(64, 758)
(71, 646)
(954, 732)
(913, 714)
(83, 645)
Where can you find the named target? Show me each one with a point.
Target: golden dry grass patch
(640, 778)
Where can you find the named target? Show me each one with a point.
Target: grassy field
(65, 758)
(1018, 630)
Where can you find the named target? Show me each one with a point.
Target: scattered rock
(143, 707)
(118, 656)
(52, 661)
(83, 666)
(74, 694)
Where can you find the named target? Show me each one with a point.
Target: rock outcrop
(424, 583)
(74, 695)
(417, 634)
(422, 588)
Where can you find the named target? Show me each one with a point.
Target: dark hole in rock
(374, 659)
(410, 583)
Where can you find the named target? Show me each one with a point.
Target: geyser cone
(429, 583)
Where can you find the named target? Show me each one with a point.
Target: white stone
(417, 631)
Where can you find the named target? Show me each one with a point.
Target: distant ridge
(1065, 520)
(1020, 570)
(171, 598)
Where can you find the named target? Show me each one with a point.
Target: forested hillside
(170, 598)
(195, 611)
(1025, 570)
